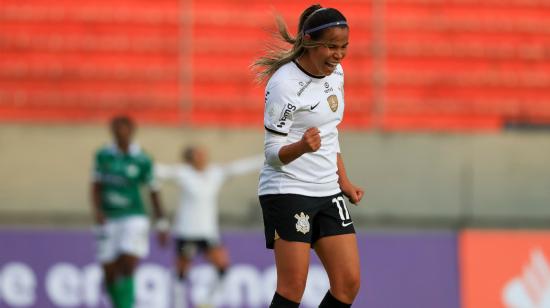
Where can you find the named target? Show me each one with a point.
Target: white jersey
(294, 102)
(197, 213)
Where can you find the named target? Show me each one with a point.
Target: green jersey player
(121, 170)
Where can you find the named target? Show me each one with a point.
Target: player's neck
(307, 66)
(199, 168)
(124, 147)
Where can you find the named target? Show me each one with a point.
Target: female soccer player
(196, 223)
(120, 170)
(303, 184)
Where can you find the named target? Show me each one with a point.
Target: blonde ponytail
(277, 56)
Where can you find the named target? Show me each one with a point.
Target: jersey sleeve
(280, 106)
(337, 143)
(340, 71)
(272, 145)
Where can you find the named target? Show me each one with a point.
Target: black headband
(327, 25)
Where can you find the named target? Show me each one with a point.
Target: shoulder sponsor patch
(286, 115)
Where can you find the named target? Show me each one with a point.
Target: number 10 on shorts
(342, 209)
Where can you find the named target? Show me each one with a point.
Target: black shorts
(189, 248)
(299, 218)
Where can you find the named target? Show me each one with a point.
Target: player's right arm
(280, 106)
(97, 210)
(310, 142)
(99, 217)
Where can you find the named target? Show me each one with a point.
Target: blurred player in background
(303, 182)
(196, 222)
(120, 170)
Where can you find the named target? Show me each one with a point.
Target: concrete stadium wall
(411, 180)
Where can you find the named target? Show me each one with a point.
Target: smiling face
(323, 59)
(122, 133)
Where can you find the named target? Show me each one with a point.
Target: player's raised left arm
(354, 193)
(243, 166)
(165, 171)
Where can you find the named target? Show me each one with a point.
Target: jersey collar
(306, 72)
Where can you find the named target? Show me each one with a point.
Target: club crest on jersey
(132, 170)
(302, 225)
(333, 102)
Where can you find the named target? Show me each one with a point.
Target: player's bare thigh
(340, 257)
(292, 261)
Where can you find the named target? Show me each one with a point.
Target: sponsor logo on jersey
(286, 115)
(117, 200)
(333, 102)
(302, 225)
(113, 179)
(314, 106)
(304, 86)
(328, 88)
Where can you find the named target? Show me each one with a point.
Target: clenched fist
(311, 140)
